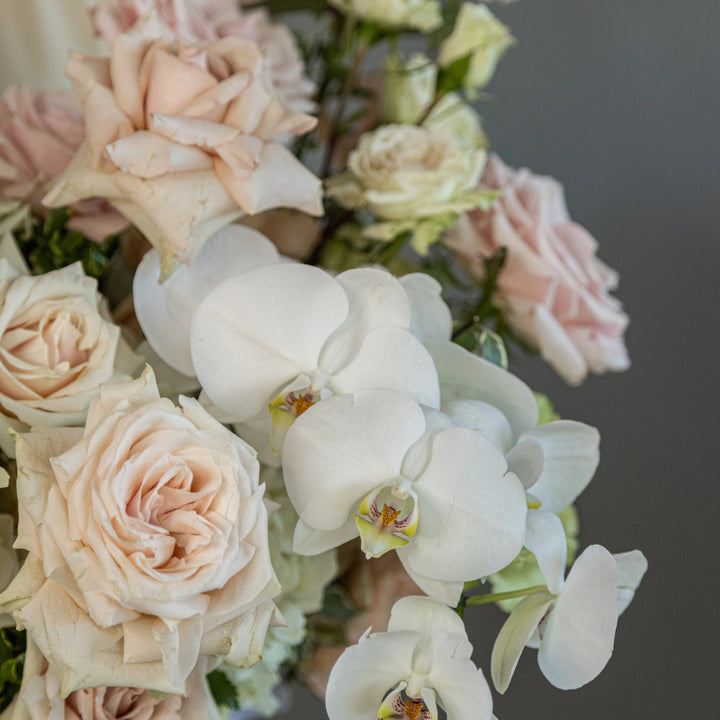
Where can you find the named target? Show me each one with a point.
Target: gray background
(619, 99)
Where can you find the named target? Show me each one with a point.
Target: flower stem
(496, 597)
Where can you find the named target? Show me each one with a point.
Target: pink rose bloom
(553, 288)
(39, 134)
(40, 698)
(197, 20)
(182, 139)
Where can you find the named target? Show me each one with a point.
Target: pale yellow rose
(402, 172)
(148, 543)
(454, 117)
(56, 346)
(409, 88)
(481, 35)
(182, 139)
(423, 15)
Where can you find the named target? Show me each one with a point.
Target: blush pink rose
(39, 134)
(553, 288)
(40, 698)
(182, 139)
(148, 543)
(197, 20)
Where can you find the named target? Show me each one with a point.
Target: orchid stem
(497, 597)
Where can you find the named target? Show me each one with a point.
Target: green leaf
(492, 348)
(222, 689)
(452, 77)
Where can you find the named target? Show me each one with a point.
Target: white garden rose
(39, 698)
(423, 15)
(56, 346)
(148, 543)
(405, 172)
(479, 34)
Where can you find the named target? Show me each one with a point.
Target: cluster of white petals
(420, 663)
(572, 625)
(56, 346)
(183, 138)
(148, 543)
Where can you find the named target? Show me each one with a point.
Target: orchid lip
(387, 519)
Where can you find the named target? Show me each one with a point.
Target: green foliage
(12, 656)
(452, 77)
(546, 411)
(51, 245)
(223, 691)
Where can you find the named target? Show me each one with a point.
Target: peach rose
(56, 347)
(555, 291)
(39, 134)
(198, 20)
(148, 543)
(40, 699)
(180, 138)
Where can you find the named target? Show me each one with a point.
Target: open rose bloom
(555, 291)
(207, 20)
(182, 139)
(148, 544)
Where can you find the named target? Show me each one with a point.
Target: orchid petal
(545, 539)
(376, 299)
(465, 376)
(431, 320)
(342, 448)
(391, 358)
(526, 460)
(365, 672)
(578, 639)
(424, 615)
(276, 319)
(308, 541)
(445, 592)
(514, 635)
(572, 453)
(472, 515)
(462, 689)
(631, 566)
(482, 418)
(165, 310)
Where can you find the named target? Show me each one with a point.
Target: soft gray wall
(620, 99)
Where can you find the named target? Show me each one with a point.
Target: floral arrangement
(259, 290)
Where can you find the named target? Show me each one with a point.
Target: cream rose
(180, 138)
(409, 88)
(423, 15)
(211, 20)
(405, 172)
(555, 291)
(39, 134)
(56, 347)
(40, 698)
(148, 543)
(479, 34)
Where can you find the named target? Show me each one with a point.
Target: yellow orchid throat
(387, 519)
(398, 705)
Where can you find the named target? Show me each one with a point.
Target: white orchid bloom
(165, 310)
(378, 465)
(573, 627)
(420, 663)
(555, 461)
(291, 334)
